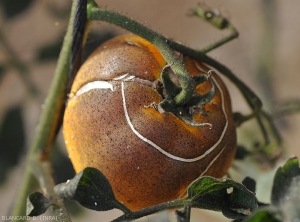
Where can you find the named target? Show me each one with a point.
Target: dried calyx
(170, 88)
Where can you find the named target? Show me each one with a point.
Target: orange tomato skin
(110, 128)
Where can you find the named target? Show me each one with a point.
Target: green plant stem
(186, 81)
(179, 203)
(49, 120)
(218, 21)
(42, 171)
(164, 45)
(287, 108)
(234, 34)
(276, 133)
(29, 183)
(251, 98)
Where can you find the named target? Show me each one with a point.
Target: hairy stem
(179, 203)
(218, 21)
(252, 99)
(42, 171)
(187, 83)
(162, 43)
(49, 119)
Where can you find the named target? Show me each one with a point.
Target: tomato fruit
(111, 123)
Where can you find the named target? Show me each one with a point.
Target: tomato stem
(215, 18)
(174, 204)
(50, 119)
(187, 83)
(165, 45)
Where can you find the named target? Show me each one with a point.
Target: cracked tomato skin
(149, 157)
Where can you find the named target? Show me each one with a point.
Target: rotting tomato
(112, 123)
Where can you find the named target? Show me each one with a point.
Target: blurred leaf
(287, 108)
(241, 153)
(2, 71)
(285, 196)
(183, 215)
(265, 215)
(232, 198)
(49, 51)
(12, 140)
(37, 204)
(289, 206)
(283, 180)
(250, 184)
(91, 189)
(12, 8)
(63, 168)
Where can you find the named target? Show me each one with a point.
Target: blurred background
(266, 56)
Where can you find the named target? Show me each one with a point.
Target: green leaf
(12, 8)
(232, 198)
(91, 189)
(283, 180)
(37, 204)
(289, 205)
(265, 215)
(285, 197)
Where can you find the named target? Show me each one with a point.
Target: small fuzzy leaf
(37, 204)
(232, 198)
(91, 189)
(289, 204)
(283, 180)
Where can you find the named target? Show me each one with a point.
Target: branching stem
(165, 46)
(186, 81)
(215, 18)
